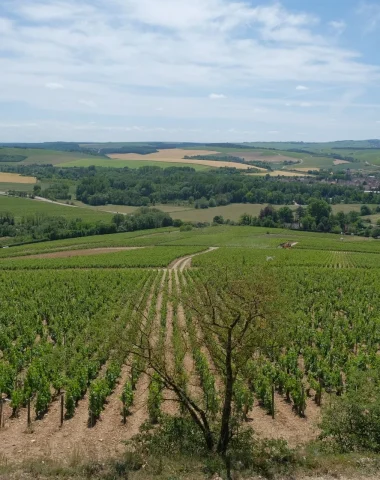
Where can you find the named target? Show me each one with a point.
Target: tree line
(153, 185)
(317, 216)
(44, 227)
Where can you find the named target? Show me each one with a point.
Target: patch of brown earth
(287, 424)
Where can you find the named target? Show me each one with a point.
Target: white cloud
(130, 57)
(216, 96)
(339, 26)
(88, 103)
(371, 14)
(45, 12)
(305, 104)
(18, 125)
(54, 86)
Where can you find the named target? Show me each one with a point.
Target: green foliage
(141, 219)
(99, 392)
(127, 396)
(352, 421)
(43, 398)
(147, 257)
(155, 399)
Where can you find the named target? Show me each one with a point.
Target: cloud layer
(128, 62)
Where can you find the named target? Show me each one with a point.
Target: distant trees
(153, 185)
(316, 217)
(285, 215)
(319, 210)
(37, 227)
(44, 227)
(365, 210)
(141, 219)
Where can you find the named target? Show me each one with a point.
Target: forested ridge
(151, 185)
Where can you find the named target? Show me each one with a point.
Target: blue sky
(189, 70)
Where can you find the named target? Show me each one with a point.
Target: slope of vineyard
(68, 326)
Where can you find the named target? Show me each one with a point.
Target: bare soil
(287, 424)
(16, 178)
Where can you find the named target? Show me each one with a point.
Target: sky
(189, 70)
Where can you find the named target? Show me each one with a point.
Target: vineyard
(72, 379)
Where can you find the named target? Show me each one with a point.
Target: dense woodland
(153, 185)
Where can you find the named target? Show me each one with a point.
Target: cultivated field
(43, 157)
(340, 162)
(118, 163)
(233, 211)
(70, 338)
(21, 207)
(176, 156)
(15, 178)
(281, 173)
(268, 157)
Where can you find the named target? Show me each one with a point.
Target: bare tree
(236, 312)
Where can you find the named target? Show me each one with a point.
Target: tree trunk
(226, 416)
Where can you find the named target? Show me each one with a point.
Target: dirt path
(185, 262)
(42, 199)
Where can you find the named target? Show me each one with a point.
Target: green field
(216, 236)
(366, 159)
(44, 157)
(21, 207)
(139, 258)
(114, 163)
(233, 211)
(20, 187)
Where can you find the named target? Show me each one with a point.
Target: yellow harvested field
(306, 169)
(176, 156)
(16, 178)
(283, 173)
(258, 156)
(340, 162)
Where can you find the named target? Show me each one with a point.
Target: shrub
(351, 422)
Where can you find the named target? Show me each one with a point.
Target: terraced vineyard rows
(72, 335)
